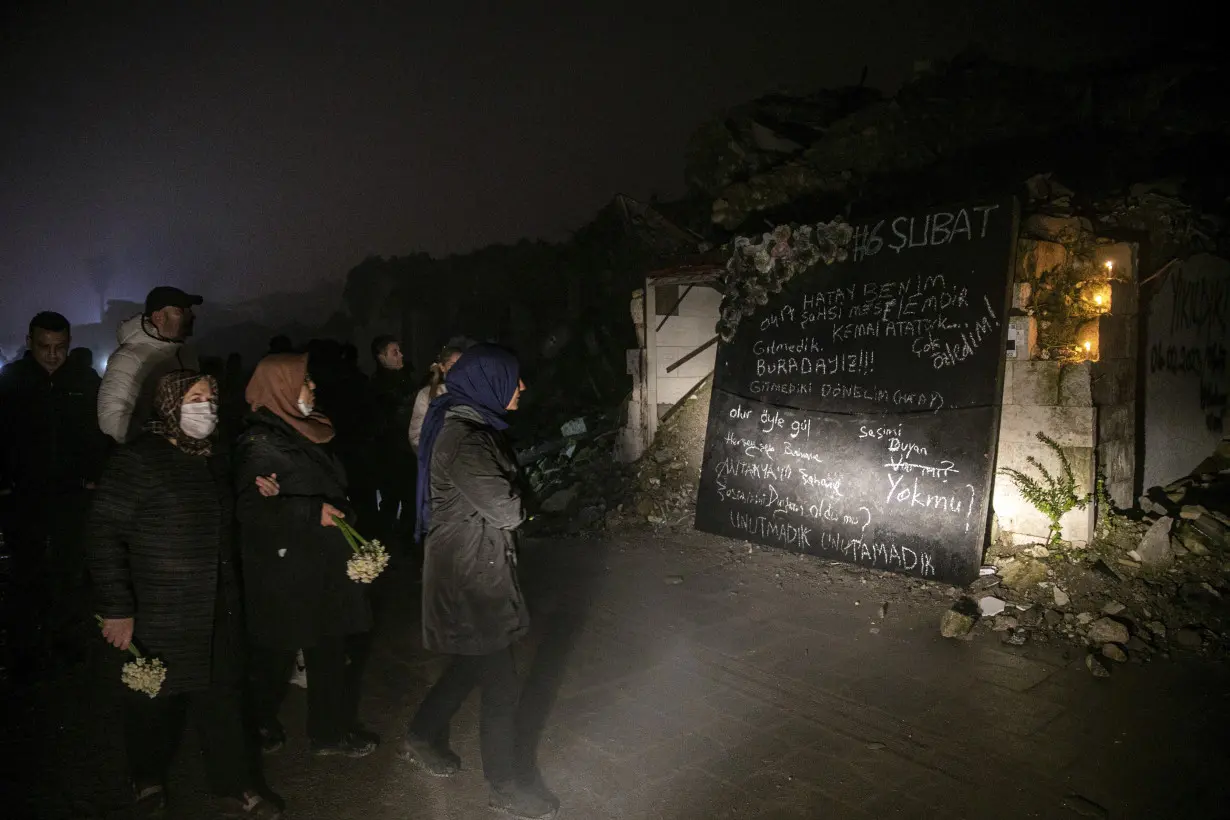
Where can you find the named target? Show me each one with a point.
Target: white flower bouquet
(142, 674)
(370, 557)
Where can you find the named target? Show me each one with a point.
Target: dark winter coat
(49, 436)
(294, 570)
(472, 602)
(160, 551)
(393, 392)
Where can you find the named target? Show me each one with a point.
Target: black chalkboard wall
(856, 415)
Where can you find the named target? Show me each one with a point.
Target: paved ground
(681, 677)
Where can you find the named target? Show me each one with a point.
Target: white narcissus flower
(144, 675)
(367, 563)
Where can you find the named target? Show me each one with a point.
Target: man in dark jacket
(51, 453)
(393, 461)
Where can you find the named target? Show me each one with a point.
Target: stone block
(1036, 382)
(1068, 426)
(1020, 519)
(1054, 229)
(1076, 385)
(1022, 338)
(1114, 381)
(1009, 396)
(1117, 458)
(1116, 337)
(1123, 298)
(1120, 492)
(1022, 294)
(1117, 422)
(1036, 258)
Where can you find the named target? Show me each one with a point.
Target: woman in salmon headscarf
(294, 560)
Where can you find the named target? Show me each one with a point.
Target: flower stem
(354, 534)
(341, 525)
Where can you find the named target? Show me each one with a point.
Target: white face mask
(198, 419)
(305, 408)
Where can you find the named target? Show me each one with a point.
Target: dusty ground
(683, 676)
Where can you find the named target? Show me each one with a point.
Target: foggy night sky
(244, 152)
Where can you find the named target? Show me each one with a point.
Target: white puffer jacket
(126, 395)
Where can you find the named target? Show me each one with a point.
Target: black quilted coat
(159, 549)
(294, 570)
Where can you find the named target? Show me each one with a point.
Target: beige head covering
(275, 386)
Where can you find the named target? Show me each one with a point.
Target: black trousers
(495, 675)
(49, 600)
(153, 728)
(395, 481)
(333, 685)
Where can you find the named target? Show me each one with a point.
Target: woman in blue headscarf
(469, 508)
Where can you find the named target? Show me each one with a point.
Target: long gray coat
(472, 602)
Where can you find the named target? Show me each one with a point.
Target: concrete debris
(1113, 608)
(1108, 630)
(1096, 666)
(960, 619)
(1005, 622)
(1020, 575)
(1015, 637)
(1200, 595)
(574, 427)
(1154, 549)
(1114, 652)
(1062, 598)
(990, 606)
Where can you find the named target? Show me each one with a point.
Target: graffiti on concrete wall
(1195, 347)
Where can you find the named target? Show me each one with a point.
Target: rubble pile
(662, 487)
(581, 487)
(1156, 584)
(575, 477)
(972, 123)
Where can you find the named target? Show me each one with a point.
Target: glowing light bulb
(1088, 346)
(1109, 266)
(1097, 298)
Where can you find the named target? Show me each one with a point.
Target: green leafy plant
(1108, 519)
(1053, 496)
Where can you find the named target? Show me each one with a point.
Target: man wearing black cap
(151, 345)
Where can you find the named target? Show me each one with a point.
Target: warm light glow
(1097, 298)
(1088, 346)
(1109, 266)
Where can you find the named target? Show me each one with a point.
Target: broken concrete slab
(1154, 549)
(1108, 630)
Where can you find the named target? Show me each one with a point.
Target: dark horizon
(240, 153)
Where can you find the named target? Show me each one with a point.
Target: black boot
(436, 761)
(523, 802)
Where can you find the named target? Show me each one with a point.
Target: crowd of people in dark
(201, 514)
